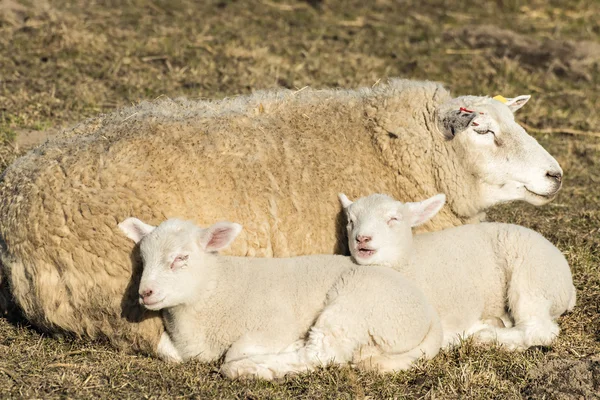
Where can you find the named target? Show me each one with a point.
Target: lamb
(274, 161)
(257, 311)
(498, 282)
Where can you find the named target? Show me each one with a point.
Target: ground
(63, 61)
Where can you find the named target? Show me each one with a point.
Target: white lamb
(498, 282)
(271, 317)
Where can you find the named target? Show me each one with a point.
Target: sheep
(257, 311)
(274, 161)
(497, 282)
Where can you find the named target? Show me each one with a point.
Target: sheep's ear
(218, 236)
(517, 102)
(344, 200)
(455, 121)
(423, 211)
(135, 229)
(514, 103)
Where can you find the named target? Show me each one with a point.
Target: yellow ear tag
(501, 99)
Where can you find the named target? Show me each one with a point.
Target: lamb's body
(278, 298)
(277, 316)
(476, 276)
(476, 273)
(273, 161)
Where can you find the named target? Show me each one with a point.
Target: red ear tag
(475, 124)
(465, 110)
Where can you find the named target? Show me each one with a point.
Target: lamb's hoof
(485, 336)
(490, 336)
(246, 369)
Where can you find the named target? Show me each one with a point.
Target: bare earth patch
(566, 379)
(576, 59)
(29, 138)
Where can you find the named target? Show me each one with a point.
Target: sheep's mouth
(544, 195)
(541, 198)
(364, 252)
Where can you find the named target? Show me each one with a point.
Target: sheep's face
(506, 163)
(379, 227)
(178, 264)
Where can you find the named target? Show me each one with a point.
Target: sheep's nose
(556, 175)
(146, 293)
(363, 239)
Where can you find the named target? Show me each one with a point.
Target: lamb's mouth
(153, 304)
(365, 252)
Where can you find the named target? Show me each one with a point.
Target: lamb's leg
(329, 340)
(403, 360)
(338, 338)
(534, 326)
(258, 343)
(453, 338)
(166, 350)
(332, 346)
(322, 346)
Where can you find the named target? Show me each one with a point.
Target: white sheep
(476, 276)
(257, 311)
(274, 161)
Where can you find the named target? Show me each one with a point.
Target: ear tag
(501, 99)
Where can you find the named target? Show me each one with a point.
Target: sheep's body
(477, 274)
(273, 161)
(259, 311)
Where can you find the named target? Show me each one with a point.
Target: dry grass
(62, 61)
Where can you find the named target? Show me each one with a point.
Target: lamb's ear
(344, 200)
(423, 211)
(514, 103)
(218, 236)
(135, 229)
(455, 121)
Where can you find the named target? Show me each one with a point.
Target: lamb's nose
(146, 293)
(556, 175)
(363, 239)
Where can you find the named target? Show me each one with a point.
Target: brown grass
(62, 61)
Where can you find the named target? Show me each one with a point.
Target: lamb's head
(178, 261)
(379, 227)
(506, 163)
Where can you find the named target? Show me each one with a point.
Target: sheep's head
(177, 259)
(506, 163)
(379, 227)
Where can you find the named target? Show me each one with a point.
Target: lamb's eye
(392, 220)
(179, 260)
(484, 131)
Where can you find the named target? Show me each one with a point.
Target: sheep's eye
(484, 131)
(392, 220)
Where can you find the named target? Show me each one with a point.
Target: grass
(63, 61)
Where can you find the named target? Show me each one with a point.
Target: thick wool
(273, 161)
(313, 309)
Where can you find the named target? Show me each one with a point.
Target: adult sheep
(280, 157)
